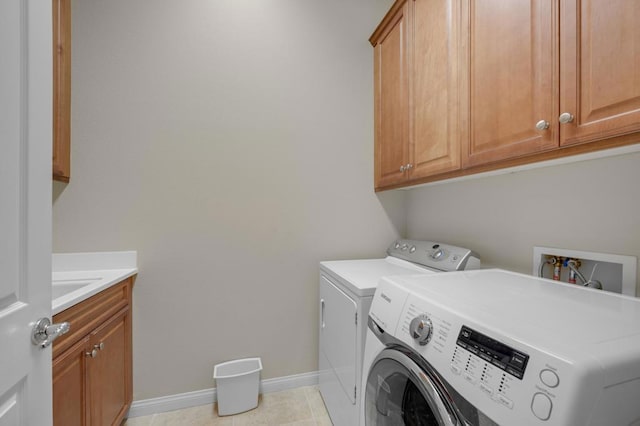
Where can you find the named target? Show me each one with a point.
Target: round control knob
(412, 249)
(438, 254)
(420, 329)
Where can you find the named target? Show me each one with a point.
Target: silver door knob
(403, 168)
(44, 333)
(565, 118)
(542, 125)
(92, 354)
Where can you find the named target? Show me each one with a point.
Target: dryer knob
(421, 328)
(438, 254)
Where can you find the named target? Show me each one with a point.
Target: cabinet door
(391, 99)
(70, 386)
(110, 371)
(61, 89)
(510, 54)
(434, 146)
(600, 69)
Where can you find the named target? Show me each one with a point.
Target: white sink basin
(62, 287)
(78, 276)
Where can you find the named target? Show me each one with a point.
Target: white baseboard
(147, 407)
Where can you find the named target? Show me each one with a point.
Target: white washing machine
(495, 347)
(346, 291)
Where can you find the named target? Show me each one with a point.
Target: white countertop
(78, 276)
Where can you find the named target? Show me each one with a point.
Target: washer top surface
(541, 312)
(362, 276)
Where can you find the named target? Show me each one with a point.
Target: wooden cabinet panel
(488, 80)
(94, 390)
(434, 146)
(391, 92)
(110, 371)
(69, 384)
(600, 63)
(416, 96)
(509, 54)
(61, 90)
(89, 314)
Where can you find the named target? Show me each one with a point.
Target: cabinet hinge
(356, 318)
(355, 390)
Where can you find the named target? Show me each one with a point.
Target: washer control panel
(502, 356)
(506, 381)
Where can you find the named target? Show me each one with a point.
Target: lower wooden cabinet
(69, 386)
(109, 371)
(92, 378)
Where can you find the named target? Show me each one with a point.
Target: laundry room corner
(231, 184)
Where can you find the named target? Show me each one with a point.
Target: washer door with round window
(400, 392)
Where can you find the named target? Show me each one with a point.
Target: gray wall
(591, 205)
(230, 143)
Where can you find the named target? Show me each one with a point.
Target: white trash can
(238, 383)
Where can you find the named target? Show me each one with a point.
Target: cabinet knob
(99, 346)
(92, 354)
(565, 118)
(542, 125)
(406, 167)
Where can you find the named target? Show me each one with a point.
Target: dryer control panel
(438, 256)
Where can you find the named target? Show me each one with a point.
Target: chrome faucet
(571, 264)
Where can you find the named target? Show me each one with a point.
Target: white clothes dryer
(492, 347)
(346, 291)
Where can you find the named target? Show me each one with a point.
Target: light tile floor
(297, 407)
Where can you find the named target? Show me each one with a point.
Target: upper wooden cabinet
(600, 69)
(569, 67)
(391, 99)
(509, 77)
(468, 86)
(61, 90)
(415, 80)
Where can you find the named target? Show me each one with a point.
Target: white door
(25, 209)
